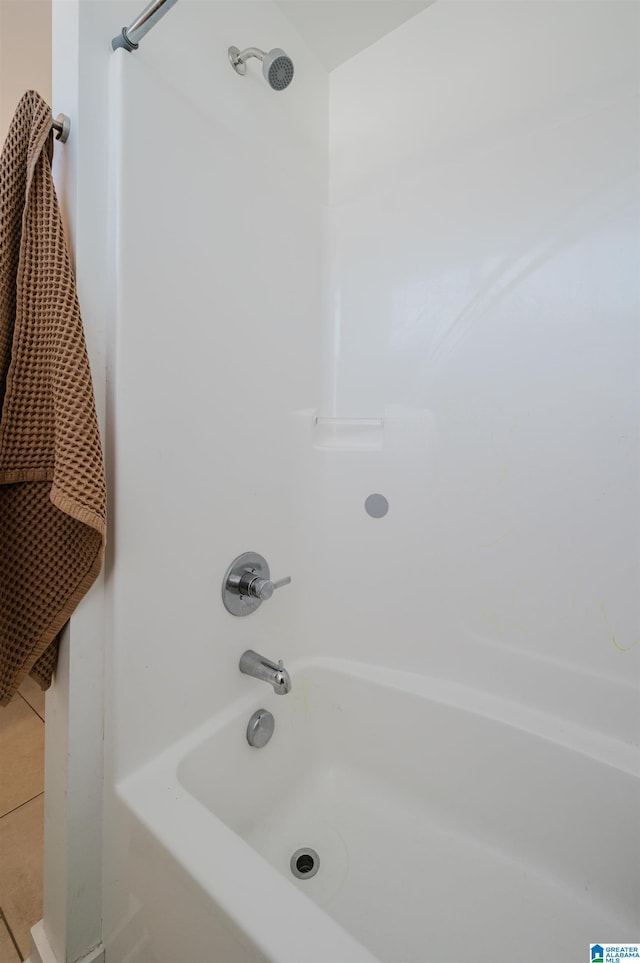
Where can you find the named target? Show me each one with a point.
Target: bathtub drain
(305, 863)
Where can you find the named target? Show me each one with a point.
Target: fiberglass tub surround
(441, 818)
(417, 284)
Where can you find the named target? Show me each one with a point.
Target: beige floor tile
(21, 755)
(21, 848)
(7, 949)
(34, 695)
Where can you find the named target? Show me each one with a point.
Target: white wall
(484, 162)
(220, 194)
(74, 776)
(219, 187)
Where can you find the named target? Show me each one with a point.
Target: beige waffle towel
(52, 491)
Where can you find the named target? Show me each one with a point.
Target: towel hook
(62, 127)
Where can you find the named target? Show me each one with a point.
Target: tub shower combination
(339, 811)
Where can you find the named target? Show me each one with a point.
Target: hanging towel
(52, 488)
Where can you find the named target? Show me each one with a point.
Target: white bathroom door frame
(71, 928)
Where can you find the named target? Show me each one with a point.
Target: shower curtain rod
(130, 36)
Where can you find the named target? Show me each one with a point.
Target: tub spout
(267, 671)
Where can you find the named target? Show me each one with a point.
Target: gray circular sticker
(376, 506)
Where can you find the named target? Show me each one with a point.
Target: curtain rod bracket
(129, 37)
(122, 40)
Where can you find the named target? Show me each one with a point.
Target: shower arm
(239, 58)
(130, 37)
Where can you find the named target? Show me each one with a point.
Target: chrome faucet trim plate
(247, 584)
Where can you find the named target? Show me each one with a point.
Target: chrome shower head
(277, 67)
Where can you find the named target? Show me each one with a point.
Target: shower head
(277, 67)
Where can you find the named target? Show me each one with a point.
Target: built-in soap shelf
(348, 434)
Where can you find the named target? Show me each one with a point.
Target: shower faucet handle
(247, 584)
(263, 588)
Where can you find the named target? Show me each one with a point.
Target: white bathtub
(450, 826)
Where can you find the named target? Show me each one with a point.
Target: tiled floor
(21, 819)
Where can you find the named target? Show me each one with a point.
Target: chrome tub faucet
(267, 671)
